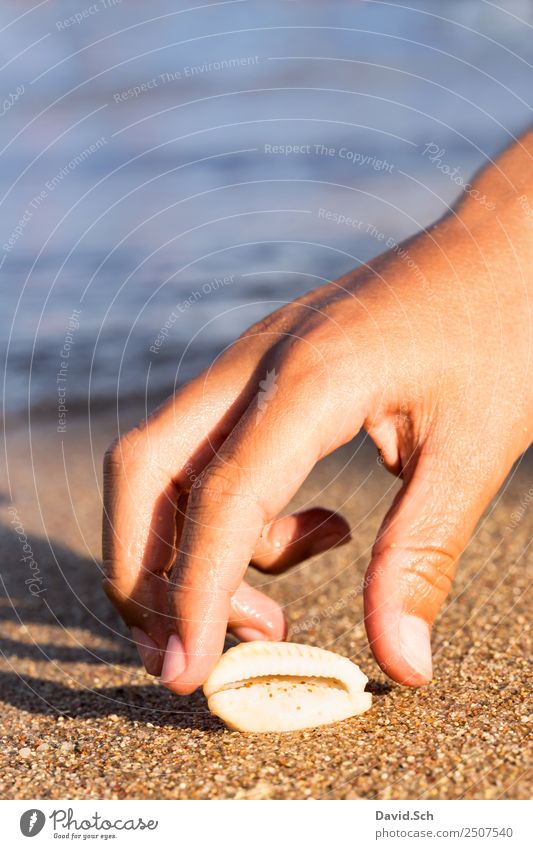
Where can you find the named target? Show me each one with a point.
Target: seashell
(263, 686)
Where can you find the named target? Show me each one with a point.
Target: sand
(80, 719)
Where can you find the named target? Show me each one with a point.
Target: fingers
(149, 470)
(414, 560)
(253, 615)
(291, 539)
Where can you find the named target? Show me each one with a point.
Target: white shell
(263, 686)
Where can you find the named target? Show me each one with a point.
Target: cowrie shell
(263, 686)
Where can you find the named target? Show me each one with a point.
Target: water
(159, 218)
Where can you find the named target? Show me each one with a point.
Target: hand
(429, 349)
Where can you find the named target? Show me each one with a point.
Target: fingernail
(148, 650)
(246, 635)
(331, 541)
(174, 663)
(415, 645)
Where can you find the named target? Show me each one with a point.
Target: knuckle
(298, 346)
(121, 451)
(429, 569)
(120, 587)
(217, 483)
(223, 486)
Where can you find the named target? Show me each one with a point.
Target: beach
(81, 720)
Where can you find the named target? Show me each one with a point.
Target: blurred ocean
(172, 171)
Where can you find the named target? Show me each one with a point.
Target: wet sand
(80, 719)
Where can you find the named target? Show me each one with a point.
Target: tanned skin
(429, 348)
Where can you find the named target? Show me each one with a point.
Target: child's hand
(430, 349)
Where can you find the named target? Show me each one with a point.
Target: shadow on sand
(71, 598)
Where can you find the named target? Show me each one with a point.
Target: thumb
(414, 559)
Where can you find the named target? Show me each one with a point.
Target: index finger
(147, 475)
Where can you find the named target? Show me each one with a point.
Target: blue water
(131, 207)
